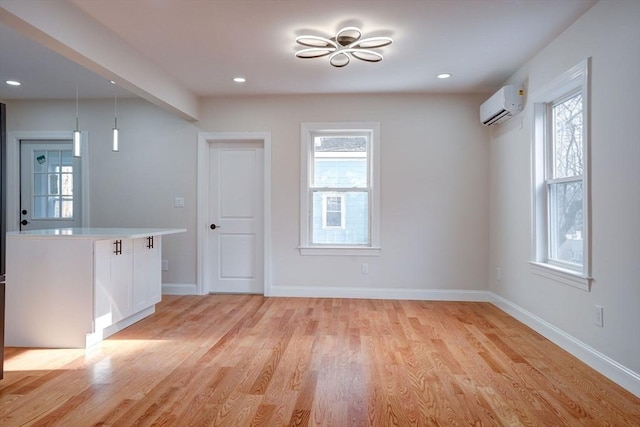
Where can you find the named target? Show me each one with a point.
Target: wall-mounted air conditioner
(504, 104)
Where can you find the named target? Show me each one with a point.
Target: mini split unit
(503, 105)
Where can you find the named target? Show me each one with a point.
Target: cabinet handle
(118, 249)
(150, 242)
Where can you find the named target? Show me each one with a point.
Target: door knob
(24, 222)
(24, 211)
(213, 226)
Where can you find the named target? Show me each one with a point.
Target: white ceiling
(203, 44)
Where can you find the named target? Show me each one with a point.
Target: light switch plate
(178, 202)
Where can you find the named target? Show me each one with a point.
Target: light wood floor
(250, 360)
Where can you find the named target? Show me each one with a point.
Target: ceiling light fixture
(76, 133)
(115, 146)
(239, 79)
(12, 83)
(444, 76)
(348, 43)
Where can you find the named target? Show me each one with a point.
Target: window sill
(340, 250)
(562, 275)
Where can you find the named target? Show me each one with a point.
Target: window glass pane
(566, 222)
(40, 184)
(39, 207)
(354, 231)
(54, 184)
(39, 161)
(67, 207)
(567, 137)
(334, 219)
(334, 204)
(67, 184)
(53, 161)
(340, 161)
(66, 160)
(333, 211)
(53, 208)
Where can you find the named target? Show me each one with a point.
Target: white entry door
(50, 193)
(236, 235)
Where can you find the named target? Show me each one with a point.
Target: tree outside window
(565, 189)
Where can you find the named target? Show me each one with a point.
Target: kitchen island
(73, 287)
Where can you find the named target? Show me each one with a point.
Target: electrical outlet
(365, 268)
(598, 318)
(178, 202)
(165, 265)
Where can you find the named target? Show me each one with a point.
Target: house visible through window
(340, 173)
(340, 198)
(560, 179)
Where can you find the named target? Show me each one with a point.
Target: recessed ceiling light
(444, 76)
(12, 83)
(239, 79)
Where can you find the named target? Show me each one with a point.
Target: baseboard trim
(608, 367)
(179, 289)
(383, 293)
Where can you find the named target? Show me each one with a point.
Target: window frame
(567, 85)
(308, 131)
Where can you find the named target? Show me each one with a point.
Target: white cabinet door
(102, 279)
(147, 274)
(113, 281)
(122, 279)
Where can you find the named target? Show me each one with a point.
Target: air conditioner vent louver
(497, 117)
(503, 105)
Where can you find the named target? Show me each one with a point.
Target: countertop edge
(94, 233)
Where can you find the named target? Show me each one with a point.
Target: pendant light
(115, 146)
(76, 133)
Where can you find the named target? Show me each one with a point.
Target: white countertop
(95, 233)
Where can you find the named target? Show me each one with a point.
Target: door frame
(13, 171)
(205, 144)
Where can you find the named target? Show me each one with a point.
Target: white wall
(136, 186)
(609, 33)
(434, 225)
(434, 173)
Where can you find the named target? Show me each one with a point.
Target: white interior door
(236, 235)
(50, 181)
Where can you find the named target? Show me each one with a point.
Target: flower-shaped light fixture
(347, 43)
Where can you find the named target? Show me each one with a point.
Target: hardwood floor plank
(250, 360)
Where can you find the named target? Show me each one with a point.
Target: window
(560, 179)
(564, 179)
(340, 196)
(52, 184)
(333, 212)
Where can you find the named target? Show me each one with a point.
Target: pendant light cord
(77, 109)
(115, 107)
